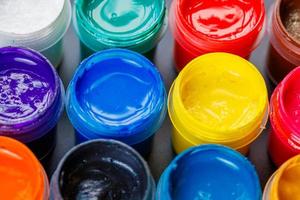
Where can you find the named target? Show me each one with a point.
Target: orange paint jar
(22, 176)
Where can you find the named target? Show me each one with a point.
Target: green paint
(133, 24)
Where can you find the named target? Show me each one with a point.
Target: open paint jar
(284, 141)
(137, 25)
(39, 25)
(284, 184)
(31, 99)
(209, 172)
(205, 26)
(117, 94)
(102, 169)
(22, 176)
(284, 31)
(218, 98)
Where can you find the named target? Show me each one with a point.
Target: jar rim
(274, 185)
(42, 125)
(44, 38)
(253, 128)
(165, 182)
(137, 131)
(198, 39)
(279, 113)
(55, 180)
(280, 38)
(125, 40)
(17, 148)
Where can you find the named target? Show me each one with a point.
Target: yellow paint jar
(284, 183)
(218, 98)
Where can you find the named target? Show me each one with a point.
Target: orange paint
(22, 176)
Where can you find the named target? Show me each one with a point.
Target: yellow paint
(286, 181)
(218, 98)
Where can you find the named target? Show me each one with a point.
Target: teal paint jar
(136, 25)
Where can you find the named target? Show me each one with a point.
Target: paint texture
(22, 176)
(221, 20)
(25, 17)
(200, 27)
(284, 183)
(117, 172)
(209, 172)
(284, 119)
(218, 98)
(117, 94)
(132, 24)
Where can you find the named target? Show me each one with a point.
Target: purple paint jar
(31, 99)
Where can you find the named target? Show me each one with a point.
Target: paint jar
(39, 25)
(284, 31)
(284, 183)
(204, 26)
(209, 172)
(31, 99)
(284, 141)
(22, 176)
(218, 98)
(102, 169)
(131, 24)
(117, 94)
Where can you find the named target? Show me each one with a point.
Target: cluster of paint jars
(218, 104)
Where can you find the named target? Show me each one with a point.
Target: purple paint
(31, 98)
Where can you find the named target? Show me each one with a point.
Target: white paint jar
(36, 24)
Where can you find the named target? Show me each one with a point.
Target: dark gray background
(161, 151)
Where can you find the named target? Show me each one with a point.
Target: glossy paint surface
(102, 169)
(22, 177)
(132, 24)
(29, 86)
(218, 98)
(209, 172)
(222, 20)
(284, 183)
(117, 94)
(284, 119)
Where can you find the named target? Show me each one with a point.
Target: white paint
(28, 16)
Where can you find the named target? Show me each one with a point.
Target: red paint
(285, 119)
(203, 26)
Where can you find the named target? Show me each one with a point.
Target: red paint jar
(284, 31)
(204, 26)
(284, 141)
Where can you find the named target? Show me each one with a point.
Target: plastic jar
(284, 141)
(284, 183)
(102, 169)
(218, 98)
(22, 176)
(117, 94)
(284, 51)
(39, 25)
(131, 24)
(205, 26)
(209, 172)
(31, 99)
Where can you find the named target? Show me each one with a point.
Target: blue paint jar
(102, 169)
(209, 172)
(117, 94)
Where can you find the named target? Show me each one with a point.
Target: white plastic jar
(36, 24)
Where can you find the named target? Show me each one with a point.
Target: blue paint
(209, 172)
(116, 94)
